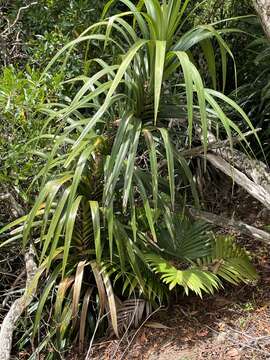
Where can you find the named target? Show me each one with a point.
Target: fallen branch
(17, 308)
(255, 169)
(217, 144)
(255, 190)
(254, 176)
(220, 221)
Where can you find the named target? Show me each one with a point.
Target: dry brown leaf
(156, 325)
(77, 290)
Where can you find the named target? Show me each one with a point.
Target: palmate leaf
(131, 312)
(147, 286)
(226, 260)
(229, 261)
(192, 279)
(185, 239)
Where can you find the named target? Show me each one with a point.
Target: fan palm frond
(130, 314)
(226, 260)
(185, 239)
(229, 261)
(192, 279)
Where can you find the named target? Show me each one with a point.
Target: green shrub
(21, 98)
(110, 221)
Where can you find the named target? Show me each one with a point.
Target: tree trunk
(263, 9)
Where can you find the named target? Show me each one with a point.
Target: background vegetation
(96, 121)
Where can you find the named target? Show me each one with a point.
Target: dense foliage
(103, 115)
(37, 32)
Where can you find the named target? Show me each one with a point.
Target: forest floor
(233, 324)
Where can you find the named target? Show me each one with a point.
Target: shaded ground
(234, 324)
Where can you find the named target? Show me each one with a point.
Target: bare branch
(18, 307)
(217, 144)
(256, 190)
(7, 30)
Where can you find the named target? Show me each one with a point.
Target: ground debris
(233, 324)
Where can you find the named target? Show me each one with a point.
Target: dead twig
(136, 332)
(18, 278)
(242, 344)
(7, 31)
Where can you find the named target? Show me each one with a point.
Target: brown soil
(233, 324)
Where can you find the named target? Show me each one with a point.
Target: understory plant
(253, 93)
(110, 225)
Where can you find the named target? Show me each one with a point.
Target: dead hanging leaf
(100, 286)
(83, 319)
(111, 303)
(156, 325)
(77, 291)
